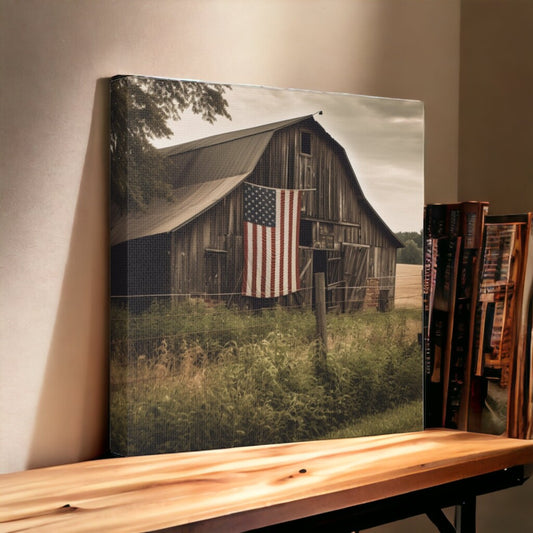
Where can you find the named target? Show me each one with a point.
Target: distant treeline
(412, 252)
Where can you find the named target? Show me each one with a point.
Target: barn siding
(336, 198)
(141, 268)
(217, 231)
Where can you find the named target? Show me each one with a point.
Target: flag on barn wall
(271, 235)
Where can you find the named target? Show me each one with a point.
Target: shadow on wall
(70, 420)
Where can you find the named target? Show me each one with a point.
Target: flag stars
(259, 205)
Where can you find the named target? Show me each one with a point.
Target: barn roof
(207, 170)
(164, 215)
(231, 136)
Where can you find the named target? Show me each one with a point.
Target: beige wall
(495, 156)
(55, 56)
(496, 107)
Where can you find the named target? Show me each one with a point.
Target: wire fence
(206, 318)
(407, 290)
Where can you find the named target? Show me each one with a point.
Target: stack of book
(478, 307)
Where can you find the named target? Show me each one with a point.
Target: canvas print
(266, 265)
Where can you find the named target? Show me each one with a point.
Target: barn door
(356, 258)
(335, 281)
(215, 270)
(330, 263)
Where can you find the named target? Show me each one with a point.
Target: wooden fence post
(320, 310)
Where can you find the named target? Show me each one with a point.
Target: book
(442, 252)
(478, 344)
(472, 217)
(230, 206)
(453, 242)
(520, 371)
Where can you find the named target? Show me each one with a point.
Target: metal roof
(218, 161)
(204, 172)
(164, 215)
(231, 136)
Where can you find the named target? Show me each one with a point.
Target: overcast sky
(384, 139)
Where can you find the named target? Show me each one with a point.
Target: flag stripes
(271, 235)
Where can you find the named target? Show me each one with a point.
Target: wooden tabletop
(242, 488)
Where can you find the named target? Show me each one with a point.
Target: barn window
(305, 142)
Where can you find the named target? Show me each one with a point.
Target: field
(195, 376)
(408, 286)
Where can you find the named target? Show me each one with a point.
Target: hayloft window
(305, 143)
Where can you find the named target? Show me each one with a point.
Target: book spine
(434, 229)
(442, 245)
(472, 215)
(528, 356)
(520, 408)
(450, 281)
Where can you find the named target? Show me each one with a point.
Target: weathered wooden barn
(193, 245)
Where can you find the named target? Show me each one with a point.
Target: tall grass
(194, 376)
(403, 418)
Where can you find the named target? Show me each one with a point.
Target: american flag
(271, 235)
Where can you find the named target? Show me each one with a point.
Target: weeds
(192, 377)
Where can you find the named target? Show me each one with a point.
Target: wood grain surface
(242, 488)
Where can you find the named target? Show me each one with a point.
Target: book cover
(498, 313)
(519, 422)
(256, 295)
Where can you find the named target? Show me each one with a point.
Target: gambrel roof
(207, 170)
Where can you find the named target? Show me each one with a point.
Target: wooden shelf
(244, 488)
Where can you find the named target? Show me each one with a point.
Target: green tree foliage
(412, 253)
(415, 236)
(140, 111)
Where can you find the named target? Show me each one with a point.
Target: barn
(192, 244)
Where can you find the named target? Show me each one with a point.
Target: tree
(411, 254)
(140, 111)
(416, 236)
